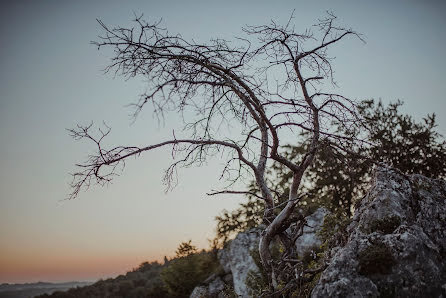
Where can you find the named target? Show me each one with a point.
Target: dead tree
(268, 87)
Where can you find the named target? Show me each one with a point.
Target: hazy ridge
(33, 289)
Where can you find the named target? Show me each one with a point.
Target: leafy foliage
(410, 146)
(339, 177)
(244, 218)
(336, 179)
(184, 273)
(185, 249)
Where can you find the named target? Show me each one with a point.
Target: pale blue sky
(50, 80)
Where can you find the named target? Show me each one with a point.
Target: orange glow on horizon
(64, 269)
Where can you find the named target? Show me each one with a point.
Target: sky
(51, 79)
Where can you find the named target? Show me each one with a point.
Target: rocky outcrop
(397, 242)
(396, 245)
(200, 292)
(237, 260)
(213, 288)
(310, 238)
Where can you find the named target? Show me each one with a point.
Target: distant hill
(34, 289)
(175, 278)
(144, 281)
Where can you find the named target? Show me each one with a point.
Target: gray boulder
(213, 288)
(237, 262)
(310, 239)
(224, 257)
(397, 242)
(200, 292)
(237, 259)
(216, 286)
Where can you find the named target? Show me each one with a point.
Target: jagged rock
(397, 242)
(228, 280)
(237, 257)
(216, 287)
(213, 288)
(225, 260)
(309, 238)
(237, 262)
(200, 292)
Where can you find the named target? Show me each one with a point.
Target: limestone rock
(237, 257)
(309, 238)
(213, 288)
(216, 286)
(200, 292)
(237, 262)
(224, 259)
(228, 280)
(397, 242)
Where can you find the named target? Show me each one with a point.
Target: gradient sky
(51, 79)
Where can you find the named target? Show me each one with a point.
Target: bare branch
(235, 192)
(233, 104)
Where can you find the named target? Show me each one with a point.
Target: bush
(183, 274)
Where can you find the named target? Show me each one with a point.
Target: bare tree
(268, 87)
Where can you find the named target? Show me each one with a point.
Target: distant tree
(188, 270)
(239, 101)
(403, 143)
(185, 249)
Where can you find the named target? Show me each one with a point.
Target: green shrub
(183, 274)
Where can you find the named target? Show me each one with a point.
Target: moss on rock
(376, 259)
(386, 225)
